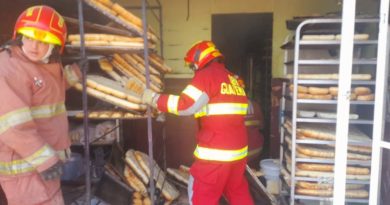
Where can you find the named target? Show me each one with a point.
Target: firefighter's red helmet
(42, 23)
(202, 53)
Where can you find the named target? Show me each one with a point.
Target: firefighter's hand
(150, 97)
(72, 74)
(53, 172)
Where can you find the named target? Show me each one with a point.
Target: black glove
(52, 172)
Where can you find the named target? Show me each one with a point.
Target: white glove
(150, 97)
(72, 74)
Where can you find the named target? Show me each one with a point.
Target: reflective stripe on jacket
(215, 97)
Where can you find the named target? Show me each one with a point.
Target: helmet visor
(40, 35)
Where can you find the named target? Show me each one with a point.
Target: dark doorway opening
(246, 42)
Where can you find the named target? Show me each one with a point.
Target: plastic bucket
(271, 169)
(73, 168)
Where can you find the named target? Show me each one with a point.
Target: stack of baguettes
(137, 175)
(127, 81)
(129, 69)
(326, 152)
(109, 40)
(328, 93)
(115, 10)
(112, 92)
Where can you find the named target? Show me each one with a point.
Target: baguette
(131, 18)
(132, 162)
(361, 193)
(128, 67)
(112, 87)
(318, 91)
(159, 63)
(134, 45)
(142, 63)
(362, 90)
(105, 37)
(140, 78)
(324, 186)
(103, 7)
(134, 182)
(369, 97)
(321, 97)
(107, 3)
(301, 89)
(168, 190)
(111, 99)
(138, 63)
(90, 43)
(329, 168)
(106, 66)
(327, 153)
(117, 115)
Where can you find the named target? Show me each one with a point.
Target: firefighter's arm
(190, 101)
(18, 130)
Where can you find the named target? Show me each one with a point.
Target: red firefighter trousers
(212, 180)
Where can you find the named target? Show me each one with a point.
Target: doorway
(246, 42)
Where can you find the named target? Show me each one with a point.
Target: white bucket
(271, 170)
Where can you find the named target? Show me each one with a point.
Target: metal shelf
(324, 142)
(332, 62)
(329, 43)
(331, 161)
(297, 64)
(330, 180)
(310, 101)
(327, 142)
(323, 120)
(333, 82)
(316, 198)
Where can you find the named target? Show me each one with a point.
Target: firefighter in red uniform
(215, 97)
(254, 122)
(33, 120)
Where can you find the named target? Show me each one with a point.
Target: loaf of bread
(318, 91)
(301, 89)
(111, 99)
(112, 87)
(322, 37)
(104, 7)
(362, 90)
(329, 76)
(330, 168)
(168, 190)
(133, 181)
(325, 186)
(355, 194)
(132, 162)
(368, 97)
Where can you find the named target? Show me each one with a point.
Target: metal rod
(343, 101)
(161, 30)
(379, 109)
(84, 69)
(149, 119)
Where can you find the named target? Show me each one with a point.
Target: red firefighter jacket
(215, 97)
(254, 123)
(33, 123)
